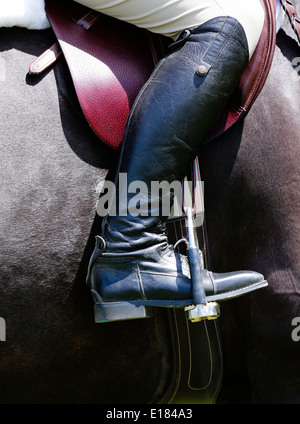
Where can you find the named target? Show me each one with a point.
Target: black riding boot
(133, 266)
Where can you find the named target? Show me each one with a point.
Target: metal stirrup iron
(201, 309)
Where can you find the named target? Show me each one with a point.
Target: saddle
(110, 60)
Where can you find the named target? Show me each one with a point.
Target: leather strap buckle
(87, 20)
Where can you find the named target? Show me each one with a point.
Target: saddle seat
(110, 60)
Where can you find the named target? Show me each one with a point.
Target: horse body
(51, 173)
(51, 167)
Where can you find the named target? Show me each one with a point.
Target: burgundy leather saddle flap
(110, 60)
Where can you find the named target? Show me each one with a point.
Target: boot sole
(237, 293)
(121, 311)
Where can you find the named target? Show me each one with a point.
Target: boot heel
(119, 311)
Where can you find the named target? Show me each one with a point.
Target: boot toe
(234, 284)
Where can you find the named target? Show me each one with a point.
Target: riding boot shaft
(172, 114)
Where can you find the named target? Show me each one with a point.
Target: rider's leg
(132, 261)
